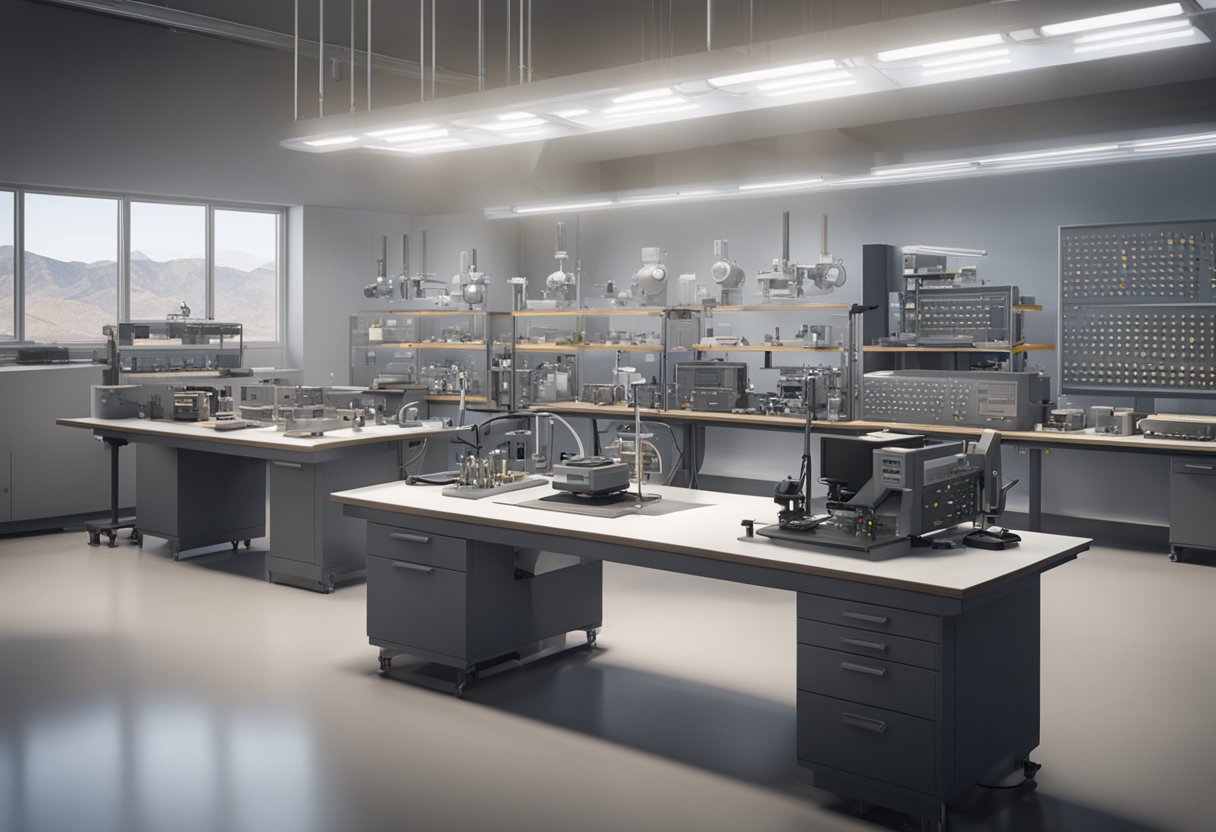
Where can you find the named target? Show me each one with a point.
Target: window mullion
(124, 259)
(19, 264)
(209, 263)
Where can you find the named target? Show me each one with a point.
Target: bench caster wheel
(1176, 556)
(592, 635)
(1030, 768)
(248, 543)
(386, 662)
(113, 538)
(94, 539)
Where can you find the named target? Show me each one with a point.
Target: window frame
(124, 251)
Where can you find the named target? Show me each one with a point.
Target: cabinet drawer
(418, 547)
(1193, 465)
(870, 742)
(870, 617)
(870, 644)
(898, 687)
(416, 605)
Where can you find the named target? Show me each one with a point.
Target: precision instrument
(788, 280)
(912, 494)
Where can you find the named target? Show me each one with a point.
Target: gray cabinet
(194, 498)
(1192, 499)
(464, 603)
(907, 709)
(312, 544)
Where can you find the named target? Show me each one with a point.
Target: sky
(86, 229)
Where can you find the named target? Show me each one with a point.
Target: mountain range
(72, 301)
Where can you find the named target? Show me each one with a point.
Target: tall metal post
(321, 61)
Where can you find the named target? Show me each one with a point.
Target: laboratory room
(549, 415)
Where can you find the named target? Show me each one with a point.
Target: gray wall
(1015, 217)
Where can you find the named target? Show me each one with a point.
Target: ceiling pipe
(240, 33)
(295, 66)
(321, 61)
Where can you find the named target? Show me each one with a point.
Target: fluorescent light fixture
(422, 147)
(1086, 24)
(413, 137)
(580, 111)
(900, 170)
(942, 70)
(937, 48)
(813, 88)
(1119, 44)
(1130, 31)
(648, 104)
(679, 108)
(1175, 140)
(334, 140)
(519, 115)
(788, 183)
(538, 131)
(836, 75)
(771, 72)
(395, 131)
(945, 251)
(966, 57)
(661, 92)
(678, 196)
(1049, 154)
(566, 206)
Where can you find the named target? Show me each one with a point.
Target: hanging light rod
(801, 70)
(1052, 158)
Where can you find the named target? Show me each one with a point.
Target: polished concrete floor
(139, 693)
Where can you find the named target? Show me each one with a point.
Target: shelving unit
(425, 350)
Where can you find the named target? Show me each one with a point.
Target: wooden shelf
(763, 348)
(455, 397)
(784, 307)
(438, 313)
(608, 310)
(426, 345)
(525, 347)
(1020, 348)
(1028, 307)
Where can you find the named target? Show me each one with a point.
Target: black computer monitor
(846, 463)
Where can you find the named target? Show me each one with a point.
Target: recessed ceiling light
(939, 47)
(788, 183)
(1143, 39)
(581, 111)
(413, 137)
(771, 72)
(515, 116)
(942, 70)
(566, 206)
(802, 81)
(332, 141)
(679, 108)
(813, 88)
(661, 92)
(1131, 31)
(1085, 24)
(1047, 154)
(648, 104)
(965, 57)
(393, 131)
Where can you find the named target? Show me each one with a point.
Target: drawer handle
(413, 567)
(295, 466)
(861, 616)
(1198, 467)
(869, 645)
(857, 721)
(409, 538)
(861, 668)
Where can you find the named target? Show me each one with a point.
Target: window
(8, 279)
(168, 265)
(246, 267)
(71, 263)
(69, 266)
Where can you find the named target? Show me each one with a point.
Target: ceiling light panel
(599, 101)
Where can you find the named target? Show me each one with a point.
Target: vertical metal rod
(295, 67)
(422, 258)
(521, 41)
(508, 27)
(785, 237)
(709, 25)
(369, 55)
(422, 50)
(405, 254)
(321, 61)
(529, 41)
(751, 21)
(352, 55)
(434, 66)
(481, 44)
(823, 237)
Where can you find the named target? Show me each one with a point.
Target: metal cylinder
(823, 236)
(321, 61)
(720, 249)
(295, 67)
(709, 25)
(352, 55)
(422, 257)
(434, 66)
(369, 55)
(382, 263)
(785, 236)
(481, 44)
(422, 50)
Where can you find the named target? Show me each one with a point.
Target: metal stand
(111, 528)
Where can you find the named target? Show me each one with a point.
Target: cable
(405, 466)
(578, 441)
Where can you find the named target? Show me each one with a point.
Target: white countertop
(260, 437)
(711, 530)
